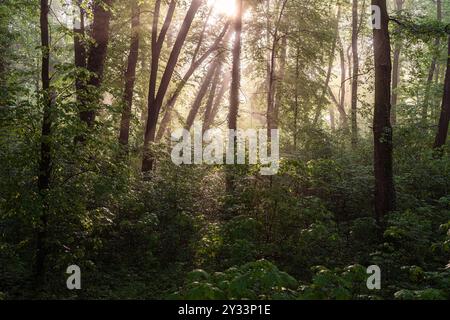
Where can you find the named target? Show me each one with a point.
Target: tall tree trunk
(130, 74)
(280, 78)
(236, 69)
(271, 112)
(396, 71)
(382, 129)
(211, 98)
(297, 96)
(441, 136)
(341, 107)
(432, 70)
(235, 84)
(80, 51)
(154, 106)
(96, 58)
(218, 100)
(214, 66)
(330, 67)
(45, 163)
(355, 55)
(157, 45)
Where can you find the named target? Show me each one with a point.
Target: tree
(45, 163)
(272, 112)
(332, 57)
(96, 58)
(396, 71)
(196, 63)
(236, 68)
(154, 105)
(212, 70)
(235, 82)
(441, 136)
(355, 54)
(385, 197)
(79, 46)
(432, 70)
(130, 74)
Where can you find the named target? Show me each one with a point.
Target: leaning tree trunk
(130, 75)
(441, 136)
(45, 163)
(196, 63)
(382, 129)
(272, 121)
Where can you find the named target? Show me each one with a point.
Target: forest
(347, 102)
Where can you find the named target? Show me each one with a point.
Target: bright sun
(224, 7)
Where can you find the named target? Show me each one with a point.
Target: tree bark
(80, 52)
(214, 66)
(218, 100)
(272, 122)
(96, 58)
(168, 109)
(341, 107)
(45, 163)
(385, 199)
(396, 71)
(441, 136)
(432, 70)
(130, 75)
(236, 69)
(235, 85)
(330, 67)
(211, 98)
(154, 106)
(355, 55)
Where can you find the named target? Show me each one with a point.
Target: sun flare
(223, 7)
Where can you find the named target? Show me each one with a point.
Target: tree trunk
(96, 58)
(130, 75)
(154, 106)
(396, 71)
(168, 109)
(341, 107)
(214, 66)
(280, 79)
(272, 87)
(236, 69)
(218, 100)
(80, 52)
(297, 96)
(441, 136)
(235, 85)
(45, 163)
(382, 129)
(211, 98)
(355, 73)
(432, 70)
(330, 67)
